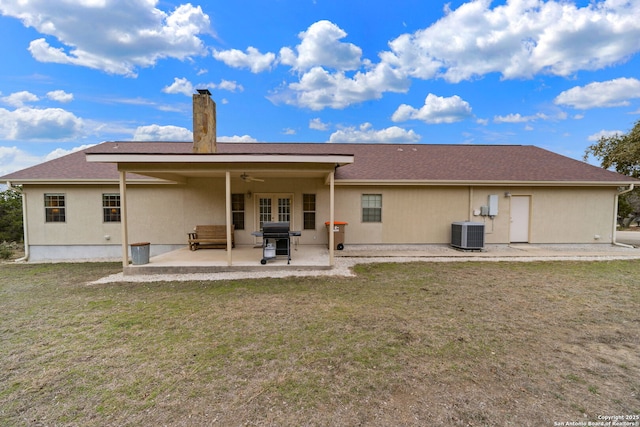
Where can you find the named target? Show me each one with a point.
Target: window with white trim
(372, 208)
(237, 211)
(309, 211)
(111, 207)
(54, 207)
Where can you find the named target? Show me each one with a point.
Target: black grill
(276, 240)
(275, 230)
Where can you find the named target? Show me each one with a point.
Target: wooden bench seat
(213, 236)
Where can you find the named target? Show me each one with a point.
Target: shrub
(6, 250)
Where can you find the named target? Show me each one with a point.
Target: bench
(214, 236)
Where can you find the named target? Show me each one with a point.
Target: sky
(557, 74)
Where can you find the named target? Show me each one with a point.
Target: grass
(525, 344)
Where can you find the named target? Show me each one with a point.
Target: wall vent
(467, 235)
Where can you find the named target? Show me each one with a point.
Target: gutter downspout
(615, 216)
(25, 237)
(332, 220)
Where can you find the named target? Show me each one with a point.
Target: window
(372, 208)
(54, 208)
(111, 207)
(237, 211)
(309, 211)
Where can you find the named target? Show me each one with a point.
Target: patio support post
(331, 218)
(228, 215)
(123, 218)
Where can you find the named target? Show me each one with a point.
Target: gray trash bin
(140, 253)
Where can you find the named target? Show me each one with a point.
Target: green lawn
(522, 344)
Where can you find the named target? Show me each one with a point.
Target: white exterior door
(520, 219)
(274, 208)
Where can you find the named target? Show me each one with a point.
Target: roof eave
(333, 159)
(488, 183)
(14, 182)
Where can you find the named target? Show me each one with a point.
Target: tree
(11, 215)
(620, 152)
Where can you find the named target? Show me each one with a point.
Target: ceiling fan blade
(248, 178)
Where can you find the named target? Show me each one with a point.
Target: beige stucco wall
(83, 224)
(570, 215)
(425, 214)
(409, 214)
(163, 214)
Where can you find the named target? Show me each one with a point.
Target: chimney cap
(204, 92)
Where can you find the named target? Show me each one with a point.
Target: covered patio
(230, 169)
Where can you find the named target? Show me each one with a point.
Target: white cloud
(519, 39)
(333, 73)
(253, 59)
(185, 87)
(366, 134)
(236, 138)
(321, 46)
(33, 124)
(60, 96)
(519, 118)
(59, 152)
(317, 124)
(512, 118)
(132, 34)
(612, 93)
(289, 131)
(18, 99)
(229, 85)
(319, 89)
(436, 109)
(13, 159)
(181, 86)
(604, 134)
(146, 103)
(162, 133)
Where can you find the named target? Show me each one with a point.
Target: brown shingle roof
(422, 162)
(70, 167)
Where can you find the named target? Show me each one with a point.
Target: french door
(274, 208)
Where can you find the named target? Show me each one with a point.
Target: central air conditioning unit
(467, 235)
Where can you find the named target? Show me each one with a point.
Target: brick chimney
(204, 122)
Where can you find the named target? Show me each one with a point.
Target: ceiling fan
(249, 178)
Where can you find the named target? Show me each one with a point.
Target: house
(92, 204)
